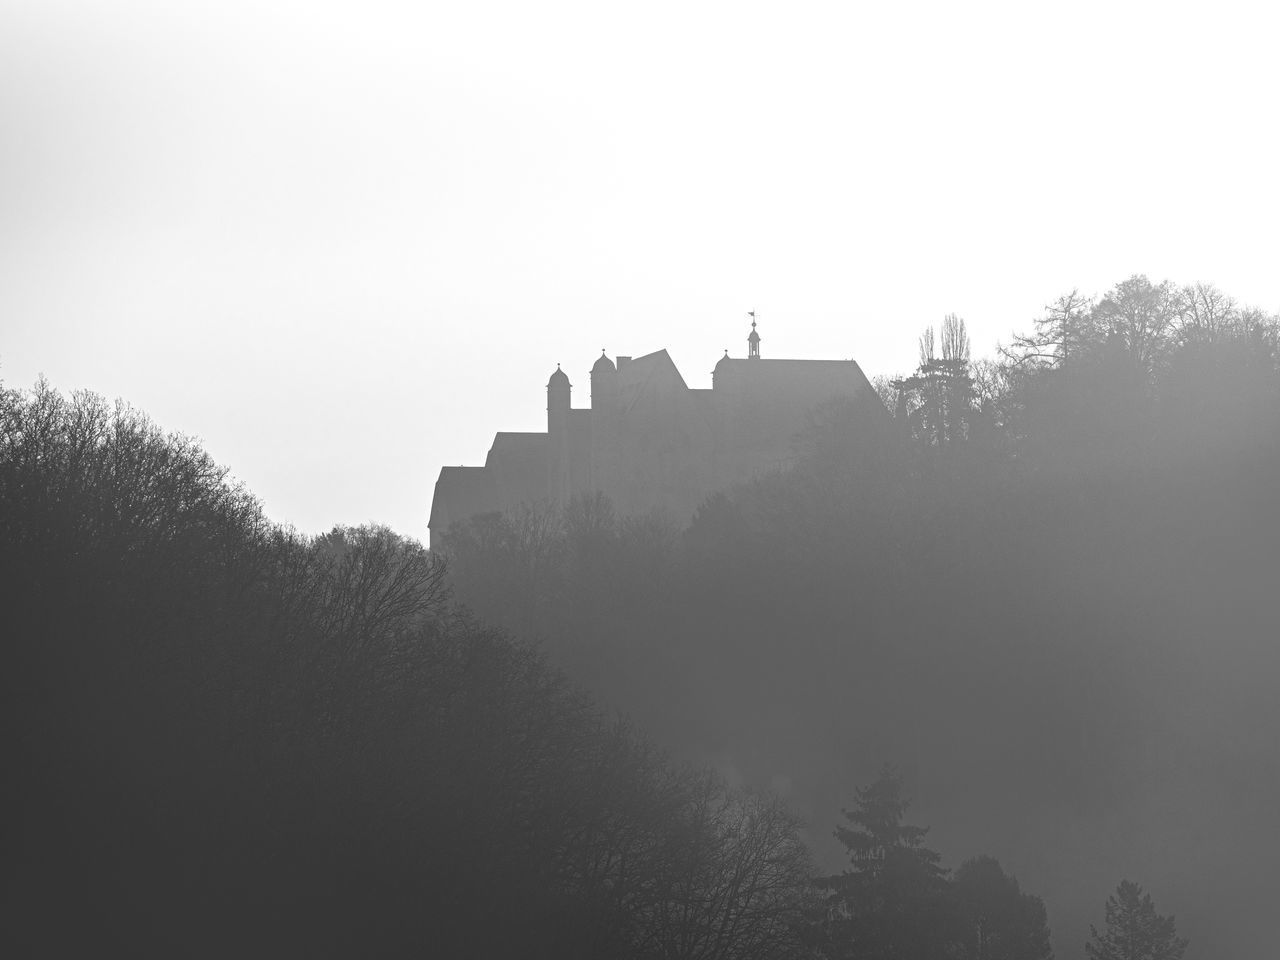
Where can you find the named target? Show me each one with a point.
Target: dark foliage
(894, 901)
(227, 739)
(1049, 590)
(1134, 930)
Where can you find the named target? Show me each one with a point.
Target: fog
(690, 689)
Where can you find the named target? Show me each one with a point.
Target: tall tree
(891, 903)
(1062, 334)
(1134, 930)
(1206, 315)
(1001, 922)
(1141, 314)
(937, 399)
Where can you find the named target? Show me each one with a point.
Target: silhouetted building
(649, 441)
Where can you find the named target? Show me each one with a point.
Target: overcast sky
(344, 243)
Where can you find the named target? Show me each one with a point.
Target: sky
(344, 243)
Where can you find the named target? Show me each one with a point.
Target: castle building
(648, 441)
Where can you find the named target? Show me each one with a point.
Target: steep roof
(845, 373)
(460, 492)
(645, 368)
(508, 444)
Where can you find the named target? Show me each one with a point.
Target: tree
(220, 725)
(1001, 922)
(1205, 314)
(1064, 332)
(1134, 930)
(1141, 314)
(891, 904)
(732, 880)
(937, 400)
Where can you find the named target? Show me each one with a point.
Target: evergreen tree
(1134, 930)
(1001, 922)
(891, 904)
(937, 400)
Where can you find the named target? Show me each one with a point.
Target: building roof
(460, 492)
(510, 444)
(645, 368)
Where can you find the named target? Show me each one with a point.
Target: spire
(603, 365)
(753, 340)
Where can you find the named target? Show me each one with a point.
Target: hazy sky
(343, 243)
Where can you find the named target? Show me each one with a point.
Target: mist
(691, 481)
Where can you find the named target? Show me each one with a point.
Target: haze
(343, 244)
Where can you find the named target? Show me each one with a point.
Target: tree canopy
(232, 738)
(1134, 931)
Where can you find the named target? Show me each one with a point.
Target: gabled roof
(508, 443)
(644, 368)
(462, 491)
(774, 371)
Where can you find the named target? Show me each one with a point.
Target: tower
(605, 424)
(604, 383)
(753, 340)
(558, 390)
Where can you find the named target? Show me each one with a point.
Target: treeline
(1044, 581)
(230, 739)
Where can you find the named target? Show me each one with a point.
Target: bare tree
(735, 884)
(1141, 316)
(1205, 314)
(1063, 333)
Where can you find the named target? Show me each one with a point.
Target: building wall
(648, 442)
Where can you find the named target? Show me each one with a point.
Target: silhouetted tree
(1141, 315)
(891, 904)
(734, 882)
(1134, 930)
(1000, 921)
(1205, 314)
(226, 733)
(937, 399)
(1066, 331)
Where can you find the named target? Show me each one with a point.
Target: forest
(1029, 604)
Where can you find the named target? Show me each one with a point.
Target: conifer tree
(891, 904)
(1134, 930)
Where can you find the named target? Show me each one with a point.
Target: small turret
(603, 365)
(604, 382)
(721, 366)
(753, 339)
(558, 390)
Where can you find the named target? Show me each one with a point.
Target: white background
(345, 243)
